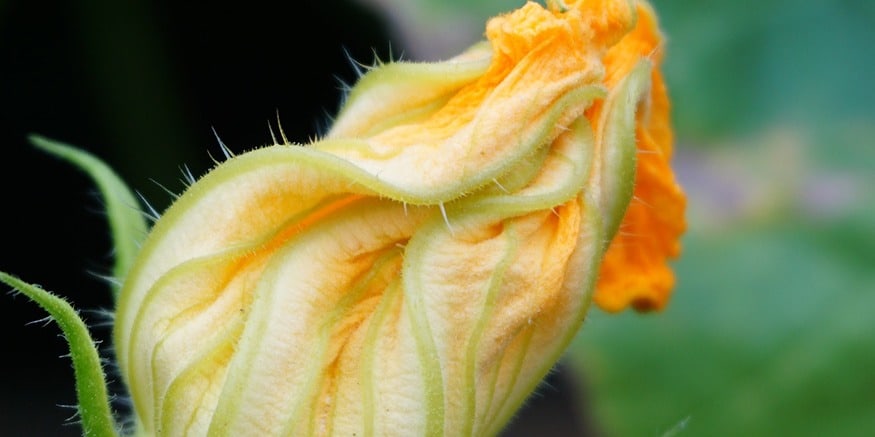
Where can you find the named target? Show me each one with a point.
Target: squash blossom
(419, 269)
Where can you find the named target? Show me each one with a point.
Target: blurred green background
(771, 328)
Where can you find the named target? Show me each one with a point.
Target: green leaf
(125, 218)
(94, 408)
(769, 333)
(741, 66)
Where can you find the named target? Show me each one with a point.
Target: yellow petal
(420, 269)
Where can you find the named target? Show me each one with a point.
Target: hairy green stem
(94, 408)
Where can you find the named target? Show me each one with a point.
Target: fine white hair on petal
(446, 219)
(225, 150)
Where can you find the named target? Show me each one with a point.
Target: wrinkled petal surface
(420, 269)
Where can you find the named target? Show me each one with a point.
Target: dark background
(140, 85)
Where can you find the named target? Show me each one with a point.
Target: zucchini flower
(419, 269)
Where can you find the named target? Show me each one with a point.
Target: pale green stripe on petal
(472, 351)
(579, 284)
(369, 355)
(445, 169)
(426, 349)
(279, 367)
(404, 92)
(562, 175)
(497, 412)
(449, 276)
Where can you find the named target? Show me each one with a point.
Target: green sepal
(618, 165)
(126, 221)
(94, 408)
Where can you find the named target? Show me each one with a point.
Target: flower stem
(94, 409)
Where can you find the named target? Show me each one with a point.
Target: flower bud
(420, 269)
